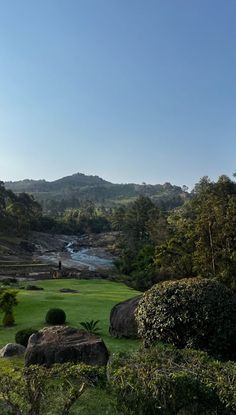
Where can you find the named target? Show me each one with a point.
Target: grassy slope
(94, 301)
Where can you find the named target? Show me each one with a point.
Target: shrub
(55, 316)
(8, 281)
(45, 391)
(7, 302)
(91, 326)
(194, 313)
(167, 381)
(22, 336)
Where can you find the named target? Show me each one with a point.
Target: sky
(130, 90)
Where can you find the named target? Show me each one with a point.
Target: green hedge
(194, 313)
(169, 381)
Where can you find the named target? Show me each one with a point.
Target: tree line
(17, 211)
(195, 239)
(21, 213)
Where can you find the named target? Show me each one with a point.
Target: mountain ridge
(71, 190)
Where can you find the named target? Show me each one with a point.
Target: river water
(90, 258)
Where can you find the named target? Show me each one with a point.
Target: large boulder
(122, 319)
(60, 344)
(12, 349)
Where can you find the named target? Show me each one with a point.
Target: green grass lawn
(93, 302)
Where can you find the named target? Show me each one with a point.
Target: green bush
(194, 313)
(168, 381)
(22, 336)
(46, 391)
(55, 316)
(8, 301)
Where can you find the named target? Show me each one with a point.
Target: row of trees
(87, 219)
(196, 239)
(20, 213)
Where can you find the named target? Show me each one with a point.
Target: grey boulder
(122, 319)
(61, 344)
(12, 349)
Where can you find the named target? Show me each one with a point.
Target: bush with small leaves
(22, 336)
(166, 381)
(46, 391)
(195, 313)
(55, 316)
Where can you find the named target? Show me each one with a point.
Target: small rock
(12, 349)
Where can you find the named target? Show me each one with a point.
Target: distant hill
(75, 180)
(71, 191)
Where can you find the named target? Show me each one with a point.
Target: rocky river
(92, 253)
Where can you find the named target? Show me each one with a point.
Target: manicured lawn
(93, 302)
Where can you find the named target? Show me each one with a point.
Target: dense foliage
(22, 336)
(142, 226)
(194, 313)
(202, 233)
(167, 381)
(86, 219)
(55, 316)
(20, 213)
(17, 211)
(196, 239)
(42, 391)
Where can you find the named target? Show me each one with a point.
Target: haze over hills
(70, 191)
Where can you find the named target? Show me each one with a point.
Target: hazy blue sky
(131, 90)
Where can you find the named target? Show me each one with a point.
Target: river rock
(60, 344)
(122, 319)
(12, 349)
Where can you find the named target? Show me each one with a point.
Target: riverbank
(40, 254)
(87, 252)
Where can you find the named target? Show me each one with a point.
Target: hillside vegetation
(71, 191)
